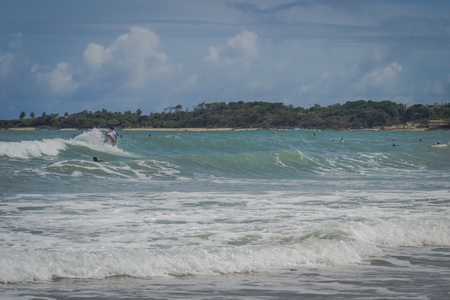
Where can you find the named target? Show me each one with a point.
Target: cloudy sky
(61, 56)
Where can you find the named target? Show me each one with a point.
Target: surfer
(97, 160)
(111, 135)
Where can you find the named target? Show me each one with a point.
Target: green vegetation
(353, 115)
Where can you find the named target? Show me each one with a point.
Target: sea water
(225, 215)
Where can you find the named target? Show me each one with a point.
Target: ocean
(260, 214)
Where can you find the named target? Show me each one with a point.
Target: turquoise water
(219, 215)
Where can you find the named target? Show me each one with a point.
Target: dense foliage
(353, 114)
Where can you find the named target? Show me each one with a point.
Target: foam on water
(28, 149)
(142, 235)
(322, 249)
(92, 140)
(38, 265)
(132, 171)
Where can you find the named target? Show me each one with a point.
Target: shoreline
(145, 129)
(213, 129)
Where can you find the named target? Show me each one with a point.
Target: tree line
(266, 115)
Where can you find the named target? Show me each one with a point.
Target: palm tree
(32, 115)
(22, 115)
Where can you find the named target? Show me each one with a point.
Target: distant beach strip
(148, 129)
(226, 129)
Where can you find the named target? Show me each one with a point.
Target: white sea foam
(176, 233)
(159, 168)
(94, 140)
(52, 147)
(409, 231)
(279, 162)
(38, 265)
(28, 149)
(440, 145)
(77, 174)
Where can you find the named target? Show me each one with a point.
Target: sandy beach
(185, 129)
(151, 129)
(218, 129)
(22, 128)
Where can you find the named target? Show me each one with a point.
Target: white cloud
(135, 57)
(213, 56)
(130, 64)
(94, 57)
(122, 74)
(241, 49)
(382, 78)
(58, 81)
(378, 73)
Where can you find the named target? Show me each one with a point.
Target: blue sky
(60, 56)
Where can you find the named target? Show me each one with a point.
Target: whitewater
(225, 215)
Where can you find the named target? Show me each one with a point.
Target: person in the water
(97, 160)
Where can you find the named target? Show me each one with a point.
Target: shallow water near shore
(225, 215)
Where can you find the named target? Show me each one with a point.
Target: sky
(60, 56)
